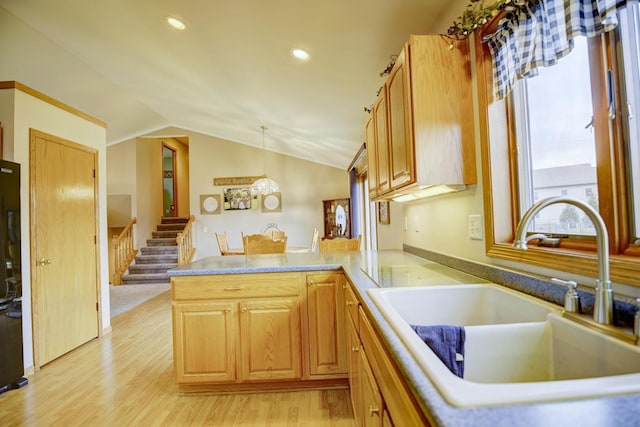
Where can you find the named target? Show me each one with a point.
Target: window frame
(501, 201)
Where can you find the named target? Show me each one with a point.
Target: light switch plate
(475, 227)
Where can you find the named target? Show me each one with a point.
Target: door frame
(174, 179)
(33, 134)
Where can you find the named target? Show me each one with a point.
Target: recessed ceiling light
(300, 54)
(176, 23)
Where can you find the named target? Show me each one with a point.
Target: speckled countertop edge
(584, 412)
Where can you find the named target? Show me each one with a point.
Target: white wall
(304, 185)
(31, 112)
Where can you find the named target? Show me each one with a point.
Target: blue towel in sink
(447, 342)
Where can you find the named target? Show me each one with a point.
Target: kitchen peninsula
(275, 302)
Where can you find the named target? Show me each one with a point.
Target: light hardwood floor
(126, 379)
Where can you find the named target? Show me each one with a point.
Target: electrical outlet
(475, 227)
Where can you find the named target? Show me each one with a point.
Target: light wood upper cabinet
(327, 328)
(382, 142)
(430, 126)
(401, 145)
(372, 155)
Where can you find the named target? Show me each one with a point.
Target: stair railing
(185, 242)
(123, 252)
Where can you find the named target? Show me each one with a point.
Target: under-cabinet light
(434, 190)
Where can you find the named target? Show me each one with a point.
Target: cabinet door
(327, 336)
(400, 135)
(270, 339)
(204, 337)
(355, 373)
(371, 398)
(372, 156)
(382, 148)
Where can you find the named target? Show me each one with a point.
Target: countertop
(371, 269)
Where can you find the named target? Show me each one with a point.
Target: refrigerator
(11, 361)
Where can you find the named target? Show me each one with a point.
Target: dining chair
(275, 234)
(314, 241)
(340, 244)
(261, 244)
(223, 245)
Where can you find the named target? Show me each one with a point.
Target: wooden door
(327, 331)
(64, 262)
(270, 339)
(204, 341)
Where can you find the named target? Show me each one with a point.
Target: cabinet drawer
(185, 288)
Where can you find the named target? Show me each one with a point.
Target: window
(555, 135)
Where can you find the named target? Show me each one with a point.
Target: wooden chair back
(340, 244)
(223, 243)
(314, 241)
(261, 244)
(275, 234)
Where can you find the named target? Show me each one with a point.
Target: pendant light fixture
(264, 185)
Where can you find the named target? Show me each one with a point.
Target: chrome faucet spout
(603, 305)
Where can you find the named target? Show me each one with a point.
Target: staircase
(160, 254)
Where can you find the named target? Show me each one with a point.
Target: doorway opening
(169, 182)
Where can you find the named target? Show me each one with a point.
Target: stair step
(145, 278)
(173, 220)
(159, 250)
(157, 259)
(164, 234)
(142, 269)
(170, 227)
(165, 241)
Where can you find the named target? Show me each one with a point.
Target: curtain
(540, 32)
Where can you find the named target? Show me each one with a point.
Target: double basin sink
(518, 349)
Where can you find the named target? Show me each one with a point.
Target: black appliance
(11, 361)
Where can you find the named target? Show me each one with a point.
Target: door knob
(44, 261)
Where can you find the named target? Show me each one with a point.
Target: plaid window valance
(539, 32)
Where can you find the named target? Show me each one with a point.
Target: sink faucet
(603, 305)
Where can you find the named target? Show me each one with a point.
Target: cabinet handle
(355, 349)
(44, 261)
(349, 303)
(374, 410)
(344, 286)
(227, 310)
(311, 283)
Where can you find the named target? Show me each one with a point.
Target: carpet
(126, 297)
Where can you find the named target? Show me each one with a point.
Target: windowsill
(623, 268)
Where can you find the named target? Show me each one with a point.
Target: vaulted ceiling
(229, 72)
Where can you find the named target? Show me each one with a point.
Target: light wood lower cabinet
(327, 329)
(258, 331)
(205, 341)
(379, 394)
(270, 339)
(228, 329)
